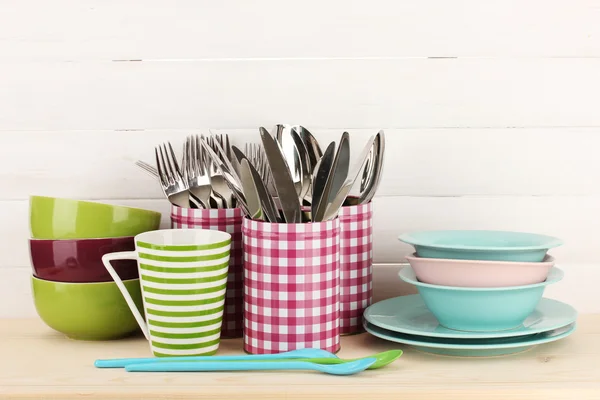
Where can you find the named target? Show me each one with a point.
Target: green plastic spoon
(383, 359)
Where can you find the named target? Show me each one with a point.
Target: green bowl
(58, 218)
(87, 311)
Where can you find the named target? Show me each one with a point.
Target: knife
(337, 176)
(284, 185)
(342, 165)
(252, 201)
(267, 203)
(332, 210)
(239, 155)
(320, 179)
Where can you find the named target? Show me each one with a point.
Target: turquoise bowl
(481, 309)
(481, 245)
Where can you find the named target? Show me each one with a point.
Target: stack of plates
(407, 320)
(480, 294)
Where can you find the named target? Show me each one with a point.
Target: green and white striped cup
(183, 276)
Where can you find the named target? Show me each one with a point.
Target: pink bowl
(476, 273)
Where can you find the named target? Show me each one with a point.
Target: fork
(171, 178)
(198, 178)
(257, 158)
(217, 180)
(223, 140)
(147, 167)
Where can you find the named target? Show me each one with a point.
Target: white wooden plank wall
(490, 109)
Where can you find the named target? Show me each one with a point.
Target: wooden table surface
(40, 363)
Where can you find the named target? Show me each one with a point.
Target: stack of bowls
(73, 292)
(478, 286)
(481, 280)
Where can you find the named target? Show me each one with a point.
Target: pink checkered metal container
(356, 266)
(291, 286)
(227, 220)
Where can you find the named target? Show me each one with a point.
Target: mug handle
(125, 255)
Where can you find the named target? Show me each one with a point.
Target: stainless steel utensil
(228, 179)
(223, 140)
(266, 200)
(239, 155)
(375, 178)
(312, 146)
(220, 186)
(197, 173)
(268, 207)
(336, 177)
(215, 143)
(341, 165)
(284, 185)
(305, 169)
(256, 156)
(228, 154)
(340, 197)
(171, 178)
(291, 154)
(150, 170)
(250, 192)
(368, 171)
(320, 180)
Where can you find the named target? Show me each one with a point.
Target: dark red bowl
(80, 260)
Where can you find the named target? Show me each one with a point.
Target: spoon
(349, 368)
(300, 353)
(383, 359)
(375, 178)
(312, 146)
(291, 153)
(340, 197)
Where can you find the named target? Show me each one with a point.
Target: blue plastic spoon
(300, 353)
(349, 368)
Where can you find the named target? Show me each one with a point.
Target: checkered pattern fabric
(356, 265)
(227, 220)
(291, 286)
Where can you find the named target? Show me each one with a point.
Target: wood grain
(563, 369)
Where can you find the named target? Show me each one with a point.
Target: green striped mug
(183, 276)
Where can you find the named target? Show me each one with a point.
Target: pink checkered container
(291, 286)
(227, 220)
(356, 266)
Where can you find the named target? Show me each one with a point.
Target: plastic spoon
(350, 368)
(383, 359)
(300, 353)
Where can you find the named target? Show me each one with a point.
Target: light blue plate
(481, 245)
(481, 309)
(471, 347)
(410, 315)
